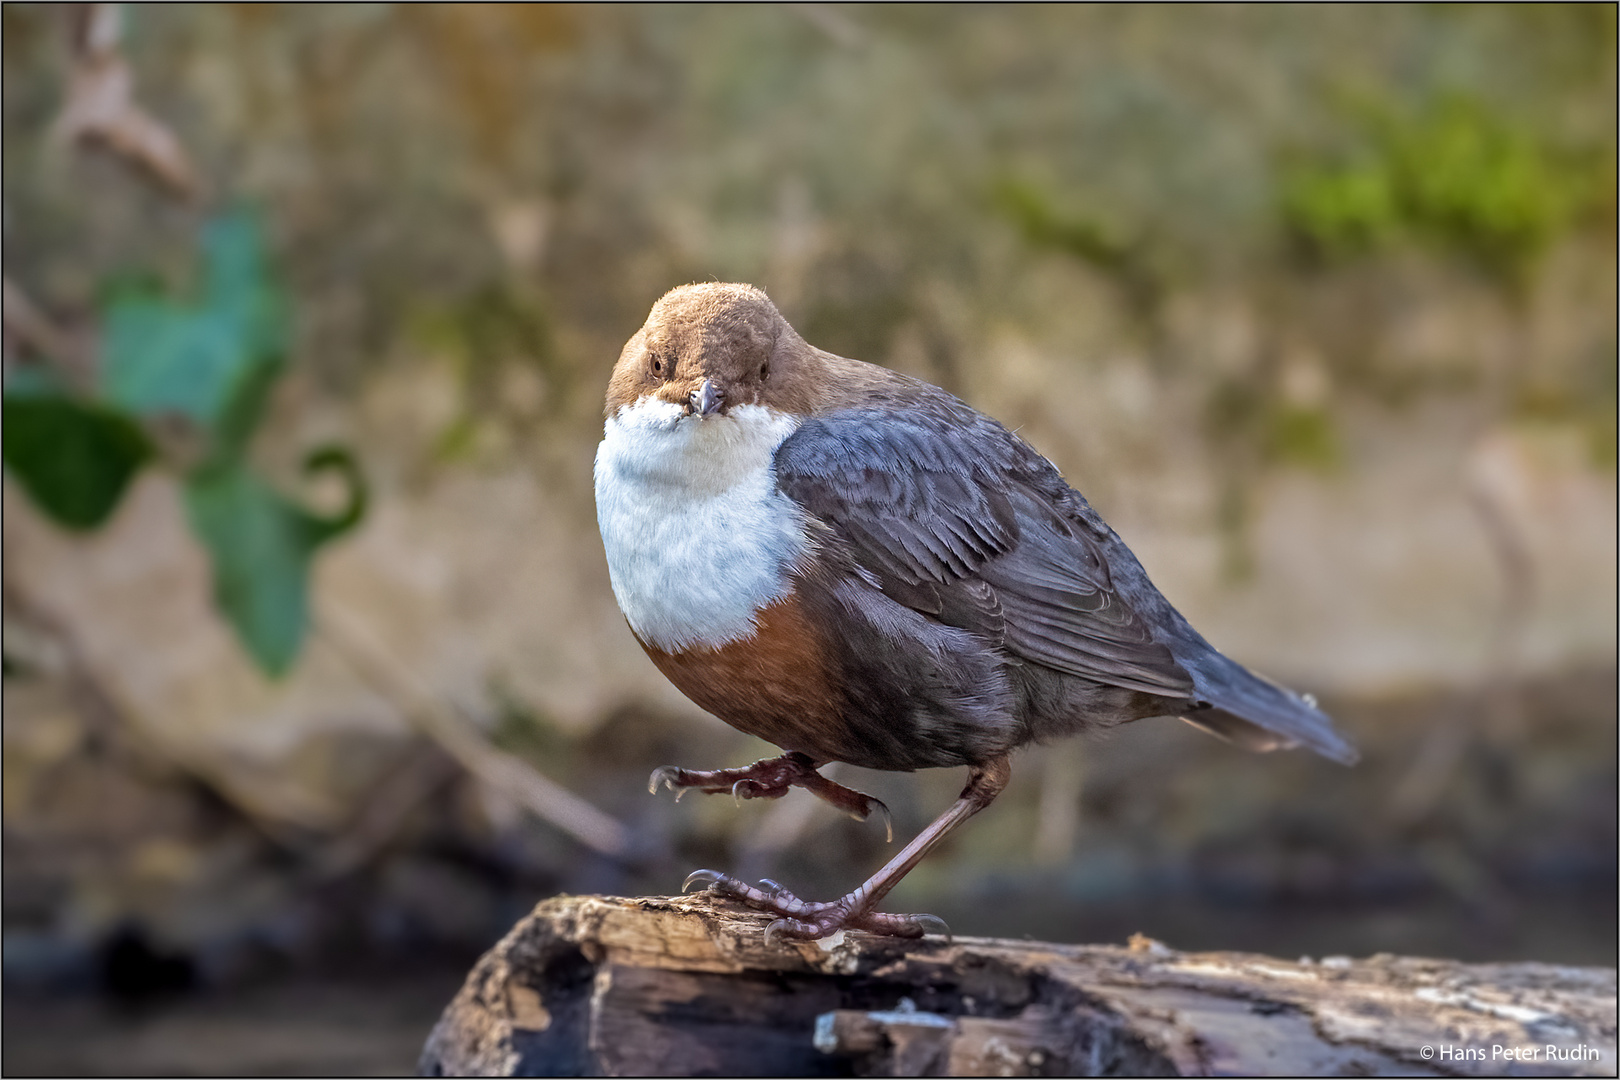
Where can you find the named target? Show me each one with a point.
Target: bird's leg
(804, 920)
(770, 778)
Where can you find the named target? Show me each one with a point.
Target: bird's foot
(771, 778)
(801, 920)
(761, 780)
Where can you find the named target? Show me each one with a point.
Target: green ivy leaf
(212, 361)
(261, 544)
(334, 457)
(72, 457)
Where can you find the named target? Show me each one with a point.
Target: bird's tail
(1258, 714)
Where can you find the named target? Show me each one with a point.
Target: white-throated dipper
(857, 566)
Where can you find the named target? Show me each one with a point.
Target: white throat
(698, 538)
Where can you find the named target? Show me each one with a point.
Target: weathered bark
(682, 987)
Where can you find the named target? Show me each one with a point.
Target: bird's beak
(706, 399)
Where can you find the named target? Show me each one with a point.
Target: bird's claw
(864, 810)
(667, 775)
(707, 879)
(777, 932)
(888, 818)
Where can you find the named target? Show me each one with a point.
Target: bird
(857, 566)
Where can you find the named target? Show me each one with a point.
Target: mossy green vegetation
(1450, 175)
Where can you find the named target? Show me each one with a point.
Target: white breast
(698, 538)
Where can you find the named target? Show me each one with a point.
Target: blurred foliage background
(312, 675)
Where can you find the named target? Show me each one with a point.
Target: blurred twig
(26, 325)
(101, 107)
(542, 796)
(425, 770)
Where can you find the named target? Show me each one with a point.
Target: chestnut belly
(846, 693)
(782, 684)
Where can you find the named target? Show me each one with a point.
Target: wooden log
(687, 986)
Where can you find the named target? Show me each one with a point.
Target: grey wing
(955, 517)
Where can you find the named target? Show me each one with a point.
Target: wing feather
(960, 520)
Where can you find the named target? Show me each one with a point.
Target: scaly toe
(784, 930)
(905, 926)
(780, 895)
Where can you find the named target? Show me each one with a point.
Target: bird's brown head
(712, 347)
